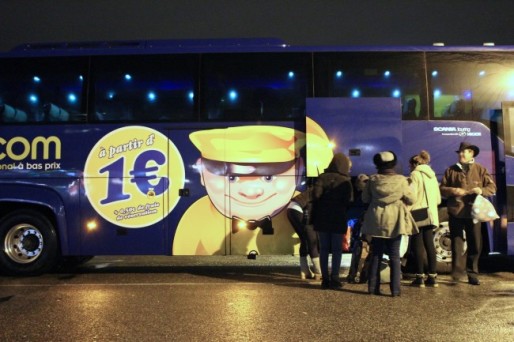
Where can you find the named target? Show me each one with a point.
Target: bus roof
(214, 46)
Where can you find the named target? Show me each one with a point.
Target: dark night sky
(298, 22)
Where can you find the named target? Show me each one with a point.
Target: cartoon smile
(253, 203)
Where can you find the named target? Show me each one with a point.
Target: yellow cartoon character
(319, 148)
(250, 174)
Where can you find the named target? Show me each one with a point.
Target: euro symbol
(142, 173)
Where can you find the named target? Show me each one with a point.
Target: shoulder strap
(424, 189)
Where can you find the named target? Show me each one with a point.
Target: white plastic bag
(483, 210)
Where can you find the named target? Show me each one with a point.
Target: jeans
(392, 248)
(465, 262)
(330, 243)
(306, 233)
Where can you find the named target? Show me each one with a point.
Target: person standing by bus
(387, 219)
(332, 192)
(425, 186)
(299, 213)
(461, 183)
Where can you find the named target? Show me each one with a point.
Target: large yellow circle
(125, 184)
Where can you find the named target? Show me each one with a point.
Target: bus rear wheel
(29, 243)
(443, 248)
(443, 243)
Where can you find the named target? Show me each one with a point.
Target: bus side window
(469, 85)
(409, 110)
(39, 90)
(374, 74)
(145, 88)
(10, 114)
(54, 113)
(257, 86)
(111, 108)
(455, 110)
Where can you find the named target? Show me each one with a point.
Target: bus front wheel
(28, 243)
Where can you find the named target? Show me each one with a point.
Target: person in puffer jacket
(332, 194)
(387, 219)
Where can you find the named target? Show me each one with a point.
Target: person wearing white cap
(461, 183)
(387, 219)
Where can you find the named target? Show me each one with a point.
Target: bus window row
(42, 90)
(250, 86)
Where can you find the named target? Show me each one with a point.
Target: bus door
(131, 180)
(358, 127)
(261, 186)
(508, 132)
(197, 221)
(238, 184)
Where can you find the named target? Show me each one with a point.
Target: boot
(431, 280)
(316, 268)
(418, 282)
(305, 271)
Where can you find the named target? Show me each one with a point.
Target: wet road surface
(231, 298)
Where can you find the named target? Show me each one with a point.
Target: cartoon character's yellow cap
(319, 149)
(249, 144)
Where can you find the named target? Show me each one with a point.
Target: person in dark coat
(461, 183)
(332, 194)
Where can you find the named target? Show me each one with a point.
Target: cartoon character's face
(248, 195)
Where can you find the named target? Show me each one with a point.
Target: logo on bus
(22, 152)
(133, 175)
(460, 131)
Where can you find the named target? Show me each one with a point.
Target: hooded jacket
(425, 187)
(332, 194)
(388, 216)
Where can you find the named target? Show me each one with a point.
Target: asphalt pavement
(232, 298)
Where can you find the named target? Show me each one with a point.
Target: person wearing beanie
(426, 188)
(461, 183)
(332, 194)
(387, 219)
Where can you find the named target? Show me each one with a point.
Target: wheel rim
(23, 243)
(442, 242)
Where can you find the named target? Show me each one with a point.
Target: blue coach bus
(196, 147)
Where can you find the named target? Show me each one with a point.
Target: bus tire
(443, 243)
(28, 243)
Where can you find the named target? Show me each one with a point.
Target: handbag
(483, 210)
(422, 216)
